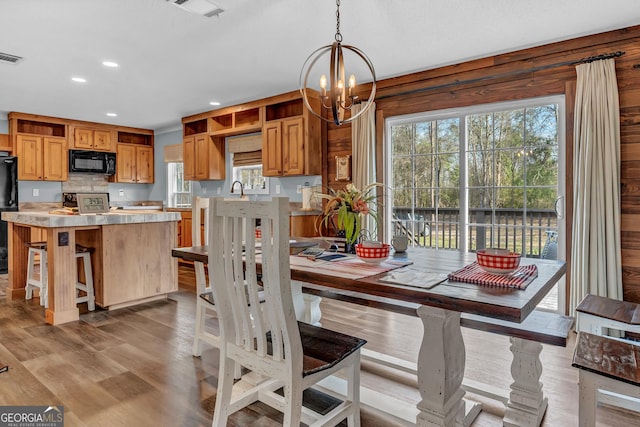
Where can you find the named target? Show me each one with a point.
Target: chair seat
(37, 245)
(324, 348)
(208, 297)
(43, 247)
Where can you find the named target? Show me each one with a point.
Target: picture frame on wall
(343, 168)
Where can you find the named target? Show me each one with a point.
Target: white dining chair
(204, 295)
(266, 338)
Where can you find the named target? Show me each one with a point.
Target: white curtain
(595, 253)
(363, 141)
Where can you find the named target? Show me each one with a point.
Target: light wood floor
(133, 367)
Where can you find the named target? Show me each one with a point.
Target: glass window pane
(509, 169)
(424, 142)
(480, 168)
(510, 198)
(448, 135)
(480, 132)
(402, 139)
(542, 125)
(480, 198)
(402, 173)
(448, 170)
(449, 198)
(542, 165)
(424, 171)
(508, 128)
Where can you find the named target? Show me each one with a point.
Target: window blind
(246, 149)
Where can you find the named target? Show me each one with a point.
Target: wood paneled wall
(524, 74)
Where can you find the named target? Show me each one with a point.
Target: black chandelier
(340, 95)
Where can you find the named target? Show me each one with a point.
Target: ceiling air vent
(11, 59)
(199, 7)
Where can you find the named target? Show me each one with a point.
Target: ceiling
(173, 63)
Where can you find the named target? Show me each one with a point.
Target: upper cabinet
(41, 146)
(134, 157)
(93, 139)
(202, 153)
(291, 137)
(242, 120)
(291, 140)
(42, 158)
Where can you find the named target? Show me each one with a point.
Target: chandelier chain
(338, 34)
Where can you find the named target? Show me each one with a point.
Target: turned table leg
(527, 403)
(440, 369)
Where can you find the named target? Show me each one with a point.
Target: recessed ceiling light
(214, 103)
(110, 64)
(112, 115)
(79, 79)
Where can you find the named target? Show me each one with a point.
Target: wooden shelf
(236, 122)
(135, 138)
(41, 128)
(248, 119)
(221, 124)
(283, 110)
(195, 127)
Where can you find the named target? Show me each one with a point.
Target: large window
(486, 176)
(178, 189)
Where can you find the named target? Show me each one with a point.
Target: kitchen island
(131, 261)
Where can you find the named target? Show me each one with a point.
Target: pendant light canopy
(337, 95)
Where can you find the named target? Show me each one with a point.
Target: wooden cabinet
(283, 148)
(134, 164)
(42, 158)
(93, 139)
(41, 146)
(290, 141)
(203, 157)
(304, 225)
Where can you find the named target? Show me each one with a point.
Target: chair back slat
(256, 331)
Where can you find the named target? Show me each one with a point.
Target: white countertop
(48, 220)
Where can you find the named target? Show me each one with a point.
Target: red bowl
(499, 261)
(373, 254)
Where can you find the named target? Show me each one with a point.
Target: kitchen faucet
(241, 188)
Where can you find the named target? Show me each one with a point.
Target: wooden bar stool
(84, 253)
(84, 291)
(37, 282)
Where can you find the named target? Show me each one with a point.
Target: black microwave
(98, 162)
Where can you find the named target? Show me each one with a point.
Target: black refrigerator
(8, 202)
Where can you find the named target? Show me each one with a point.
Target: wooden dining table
(439, 304)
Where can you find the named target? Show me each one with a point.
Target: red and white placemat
(473, 273)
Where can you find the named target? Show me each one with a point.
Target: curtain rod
(599, 57)
(507, 74)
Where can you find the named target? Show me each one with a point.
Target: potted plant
(347, 207)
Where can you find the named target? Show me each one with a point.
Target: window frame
(172, 184)
(462, 113)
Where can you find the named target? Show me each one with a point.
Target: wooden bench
(605, 364)
(597, 313)
(526, 344)
(600, 316)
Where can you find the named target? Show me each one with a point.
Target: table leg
(441, 363)
(527, 403)
(307, 306)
